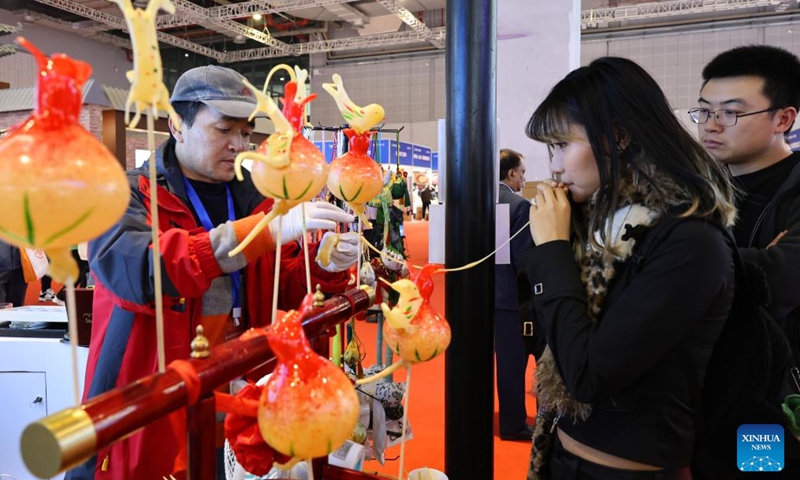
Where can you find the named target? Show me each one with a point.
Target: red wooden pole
(201, 421)
(67, 438)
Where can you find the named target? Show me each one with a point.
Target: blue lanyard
(236, 282)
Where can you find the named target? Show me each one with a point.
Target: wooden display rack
(68, 438)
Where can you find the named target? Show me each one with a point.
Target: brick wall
(91, 118)
(136, 140)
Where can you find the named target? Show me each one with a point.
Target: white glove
(319, 216)
(344, 254)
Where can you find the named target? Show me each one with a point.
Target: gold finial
(200, 345)
(370, 293)
(319, 297)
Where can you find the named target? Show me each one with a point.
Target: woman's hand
(550, 213)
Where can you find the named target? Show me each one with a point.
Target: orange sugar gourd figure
(286, 167)
(355, 178)
(413, 329)
(308, 407)
(60, 186)
(303, 176)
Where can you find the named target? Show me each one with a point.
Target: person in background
(628, 330)
(204, 214)
(12, 279)
(748, 104)
(426, 195)
(46, 292)
(511, 294)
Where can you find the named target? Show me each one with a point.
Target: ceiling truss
(601, 17)
(225, 18)
(118, 22)
(244, 9)
(221, 19)
(409, 19)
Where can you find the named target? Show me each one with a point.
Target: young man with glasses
(748, 103)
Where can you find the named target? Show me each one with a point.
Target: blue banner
(329, 154)
(421, 156)
(793, 139)
(435, 161)
(405, 153)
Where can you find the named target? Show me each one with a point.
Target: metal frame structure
(601, 17)
(244, 9)
(119, 22)
(223, 19)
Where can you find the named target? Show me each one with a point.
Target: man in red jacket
(203, 214)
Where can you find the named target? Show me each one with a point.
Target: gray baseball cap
(218, 87)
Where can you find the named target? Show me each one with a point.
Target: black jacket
(506, 294)
(781, 263)
(660, 320)
(9, 257)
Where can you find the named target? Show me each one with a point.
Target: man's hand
(777, 239)
(319, 216)
(344, 254)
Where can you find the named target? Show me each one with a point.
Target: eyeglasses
(724, 118)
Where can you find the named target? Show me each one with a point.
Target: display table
(35, 381)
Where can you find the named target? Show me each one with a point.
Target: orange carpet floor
(426, 408)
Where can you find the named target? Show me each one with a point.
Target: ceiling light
(239, 39)
(256, 16)
(186, 55)
(282, 79)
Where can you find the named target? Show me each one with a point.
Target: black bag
(746, 373)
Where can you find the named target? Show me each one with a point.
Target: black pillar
(470, 212)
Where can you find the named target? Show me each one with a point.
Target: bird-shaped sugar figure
(355, 178)
(409, 303)
(361, 119)
(60, 185)
(147, 85)
(427, 333)
(308, 407)
(286, 167)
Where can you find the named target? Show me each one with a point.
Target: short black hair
(187, 111)
(779, 68)
(509, 160)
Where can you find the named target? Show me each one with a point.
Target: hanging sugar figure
(286, 167)
(147, 86)
(413, 329)
(60, 185)
(355, 178)
(308, 407)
